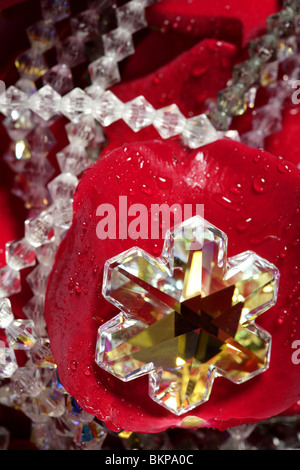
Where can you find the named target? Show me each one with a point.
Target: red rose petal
(188, 81)
(211, 18)
(263, 216)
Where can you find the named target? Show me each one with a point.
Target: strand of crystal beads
(276, 50)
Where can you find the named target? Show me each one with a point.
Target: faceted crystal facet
(21, 334)
(55, 10)
(83, 132)
(107, 108)
(76, 105)
(26, 382)
(281, 24)
(42, 35)
(63, 186)
(90, 436)
(169, 121)
(60, 78)
(41, 140)
(71, 51)
(19, 254)
(233, 100)
(132, 16)
(6, 314)
(38, 279)
(188, 316)
(138, 113)
(10, 282)
(104, 72)
(118, 44)
(199, 131)
(8, 363)
(41, 354)
(86, 24)
(13, 100)
(31, 64)
(45, 103)
(18, 124)
(73, 159)
(39, 230)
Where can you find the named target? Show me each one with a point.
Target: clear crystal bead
(71, 51)
(63, 213)
(42, 35)
(138, 113)
(19, 124)
(83, 132)
(234, 100)
(199, 131)
(26, 382)
(49, 403)
(107, 109)
(38, 170)
(90, 436)
(73, 159)
(131, 16)
(46, 253)
(55, 10)
(118, 44)
(169, 121)
(41, 354)
(263, 47)
(38, 279)
(6, 314)
(104, 72)
(13, 100)
(281, 24)
(63, 187)
(229, 134)
(39, 230)
(60, 78)
(10, 282)
(21, 334)
(247, 73)
(76, 104)
(86, 24)
(26, 85)
(41, 140)
(8, 363)
(45, 103)
(31, 64)
(19, 254)
(286, 47)
(34, 310)
(269, 73)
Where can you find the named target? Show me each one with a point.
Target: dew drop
(74, 365)
(225, 202)
(283, 252)
(146, 189)
(164, 183)
(87, 372)
(236, 188)
(259, 184)
(243, 225)
(283, 167)
(78, 287)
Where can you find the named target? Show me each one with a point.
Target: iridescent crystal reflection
(188, 316)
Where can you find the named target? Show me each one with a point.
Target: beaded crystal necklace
(30, 111)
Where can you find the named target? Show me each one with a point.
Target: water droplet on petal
(146, 189)
(283, 167)
(260, 184)
(242, 225)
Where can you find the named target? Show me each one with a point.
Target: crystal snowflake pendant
(188, 316)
